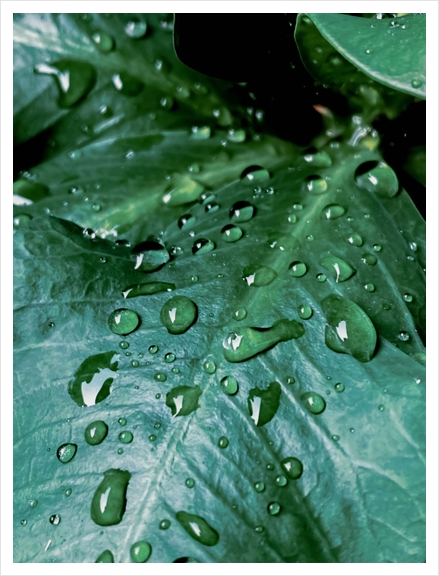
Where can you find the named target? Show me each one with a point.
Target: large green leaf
(391, 51)
(360, 495)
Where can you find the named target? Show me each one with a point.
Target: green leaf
(392, 52)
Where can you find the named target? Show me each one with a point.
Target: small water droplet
(369, 259)
(127, 84)
(190, 482)
(408, 297)
(368, 51)
(354, 239)
(297, 269)
(153, 349)
(297, 207)
(123, 321)
(259, 486)
(202, 246)
(23, 522)
(170, 357)
(335, 437)
(332, 211)
(96, 432)
(321, 278)
(273, 508)
(404, 336)
(68, 492)
(241, 211)
(339, 387)
(21, 219)
(136, 28)
(291, 380)
(316, 184)
(126, 437)
(160, 377)
(103, 41)
(178, 314)
(140, 551)
(164, 524)
(369, 287)
(229, 385)
(270, 466)
(281, 480)
(292, 218)
(55, 519)
(240, 314)
(231, 233)
(236, 135)
(175, 370)
(66, 452)
(305, 311)
(200, 132)
(313, 402)
(381, 408)
(293, 467)
(209, 366)
(417, 83)
(223, 442)
(152, 437)
(257, 276)
(33, 503)
(255, 174)
(259, 529)
(194, 279)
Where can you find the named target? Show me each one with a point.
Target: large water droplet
(342, 270)
(198, 528)
(105, 556)
(246, 342)
(127, 84)
(66, 452)
(147, 288)
(256, 275)
(255, 174)
(263, 404)
(123, 321)
(96, 432)
(136, 28)
(202, 246)
(332, 211)
(293, 467)
(241, 211)
(231, 233)
(316, 184)
(185, 192)
(109, 501)
(229, 385)
(297, 269)
(313, 402)
(349, 329)
(377, 177)
(93, 379)
(140, 551)
(183, 400)
(75, 79)
(150, 256)
(178, 314)
(103, 41)
(26, 192)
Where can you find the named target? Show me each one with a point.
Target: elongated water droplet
(349, 329)
(164, 524)
(297, 269)
(103, 41)
(263, 404)
(147, 288)
(140, 551)
(183, 400)
(223, 442)
(377, 177)
(109, 501)
(274, 508)
(153, 349)
(178, 314)
(198, 528)
(186, 221)
(202, 246)
(231, 233)
(66, 452)
(258, 276)
(255, 174)
(200, 132)
(185, 192)
(241, 211)
(105, 556)
(74, 78)
(313, 402)
(342, 270)
(93, 379)
(354, 239)
(293, 467)
(149, 256)
(127, 84)
(332, 211)
(246, 342)
(316, 184)
(96, 432)
(236, 135)
(317, 159)
(229, 385)
(123, 321)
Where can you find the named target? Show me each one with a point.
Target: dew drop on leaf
(202, 246)
(273, 508)
(354, 239)
(291, 380)
(200, 132)
(140, 551)
(259, 486)
(103, 41)
(293, 467)
(231, 233)
(136, 28)
(404, 336)
(160, 377)
(257, 276)
(198, 528)
(55, 519)
(255, 174)
(153, 349)
(408, 297)
(21, 219)
(332, 211)
(313, 402)
(74, 78)
(378, 247)
(186, 221)
(149, 256)
(223, 442)
(369, 287)
(96, 432)
(335, 437)
(229, 385)
(240, 314)
(236, 135)
(241, 211)
(297, 269)
(164, 524)
(185, 191)
(263, 404)
(316, 184)
(178, 314)
(152, 437)
(305, 311)
(369, 259)
(259, 529)
(23, 522)
(123, 321)
(122, 421)
(93, 379)
(339, 387)
(281, 480)
(292, 218)
(377, 177)
(109, 501)
(183, 400)
(105, 556)
(33, 503)
(127, 84)
(190, 482)
(126, 437)
(209, 366)
(169, 357)
(342, 270)
(68, 492)
(317, 159)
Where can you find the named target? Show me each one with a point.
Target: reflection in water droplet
(209, 366)
(377, 177)
(241, 211)
(240, 314)
(257, 276)
(136, 28)
(273, 508)
(297, 269)
(202, 246)
(231, 233)
(140, 551)
(223, 442)
(305, 311)
(123, 321)
(96, 432)
(342, 270)
(93, 379)
(198, 528)
(126, 437)
(316, 184)
(178, 314)
(313, 402)
(229, 385)
(332, 211)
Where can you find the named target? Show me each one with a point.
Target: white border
(255, 6)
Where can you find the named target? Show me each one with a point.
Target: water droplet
(273, 508)
(136, 28)
(369, 259)
(257, 276)
(381, 408)
(342, 270)
(103, 41)
(93, 379)
(21, 219)
(160, 377)
(241, 211)
(68, 492)
(404, 336)
(33, 503)
(150, 256)
(263, 404)
(354, 239)
(183, 400)
(109, 501)
(408, 297)
(209, 366)
(369, 287)
(229, 385)
(368, 51)
(164, 524)
(152, 438)
(332, 211)
(186, 221)
(270, 466)
(175, 370)
(297, 269)
(190, 482)
(74, 78)
(126, 437)
(377, 247)
(281, 480)
(255, 174)
(417, 83)
(23, 522)
(123, 321)
(153, 349)
(185, 191)
(339, 387)
(240, 314)
(166, 102)
(55, 519)
(200, 132)
(96, 432)
(178, 314)
(198, 528)
(211, 207)
(134, 363)
(231, 233)
(293, 467)
(259, 529)
(316, 184)
(377, 177)
(292, 218)
(313, 402)
(317, 159)
(305, 311)
(321, 278)
(170, 357)
(122, 421)
(223, 442)
(140, 551)
(291, 380)
(349, 329)
(202, 245)
(236, 135)
(335, 437)
(127, 84)
(352, 430)
(259, 486)
(106, 556)
(246, 342)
